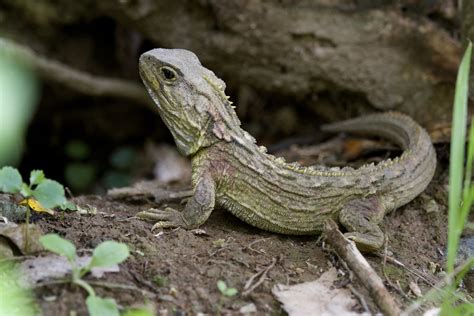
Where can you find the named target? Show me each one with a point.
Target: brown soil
(179, 269)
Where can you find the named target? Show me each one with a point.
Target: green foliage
(457, 216)
(109, 253)
(159, 280)
(105, 254)
(226, 291)
(49, 193)
(19, 95)
(139, 312)
(98, 306)
(461, 192)
(14, 299)
(458, 310)
(36, 177)
(60, 246)
(461, 199)
(10, 180)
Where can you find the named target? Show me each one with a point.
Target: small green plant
(41, 194)
(139, 312)
(47, 192)
(226, 291)
(461, 191)
(14, 298)
(160, 281)
(461, 198)
(105, 254)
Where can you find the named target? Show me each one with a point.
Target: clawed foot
(366, 242)
(167, 218)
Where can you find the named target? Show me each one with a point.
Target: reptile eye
(168, 73)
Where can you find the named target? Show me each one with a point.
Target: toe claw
(163, 224)
(167, 218)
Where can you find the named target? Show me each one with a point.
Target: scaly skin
(231, 171)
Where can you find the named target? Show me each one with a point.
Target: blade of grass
(470, 159)
(458, 136)
(468, 194)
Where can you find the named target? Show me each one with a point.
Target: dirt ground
(177, 270)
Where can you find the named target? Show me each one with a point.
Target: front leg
(197, 210)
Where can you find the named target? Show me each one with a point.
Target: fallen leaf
(318, 297)
(16, 235)
(54, 267)
(415, 289)
(36, 206)
(248, 309)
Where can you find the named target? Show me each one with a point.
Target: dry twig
(75, 79)
(361, 268)
(248, 288)
(249, 246)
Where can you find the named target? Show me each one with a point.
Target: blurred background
(71, 102)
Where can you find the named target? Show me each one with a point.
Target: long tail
(418, 161)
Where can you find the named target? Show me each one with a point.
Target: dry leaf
(36, 206)
(16, 235)
(415, 289)
(318, 297)
(54, 267)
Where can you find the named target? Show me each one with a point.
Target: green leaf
(68, 206)
(109, 253)
(221, 286)
(50, 193)
(25, 190)
(61, 246)
(15, 298)
(139, 312)
(10, 180)
(462, 309)
(469, 159)
(231, 292)
(98, 306)
(36, 177)
(458, 138)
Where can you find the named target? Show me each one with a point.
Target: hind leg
(361, 218)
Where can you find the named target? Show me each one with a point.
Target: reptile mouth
(148, 76)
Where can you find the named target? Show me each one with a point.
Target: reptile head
(190, 98)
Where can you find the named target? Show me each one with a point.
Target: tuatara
(232, 172)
